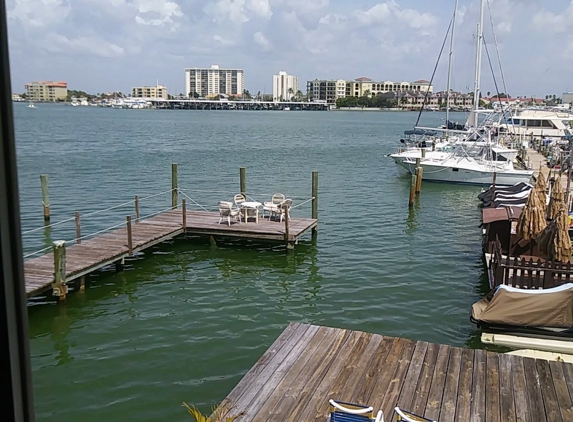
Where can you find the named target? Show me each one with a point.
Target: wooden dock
(308, 365)
(111, 247)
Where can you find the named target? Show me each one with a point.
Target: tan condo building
(210, 82)
(47, 91)
(158, 91)
(331, 90)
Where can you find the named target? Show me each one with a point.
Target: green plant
(216, 414)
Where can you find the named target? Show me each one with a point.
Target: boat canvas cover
(527, 308)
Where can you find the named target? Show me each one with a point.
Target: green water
(187, 320)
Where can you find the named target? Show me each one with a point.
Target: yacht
(538, 123)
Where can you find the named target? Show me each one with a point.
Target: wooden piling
(419, 174)
(289, 243)
(59, 286)
(184, 212)
(243, 179)
(45, 196)
(174, 188)
(129, 236)
(314, 195)
(423, 152)
(78, 229)
(136, 209)
(412, 190)
(82, 283)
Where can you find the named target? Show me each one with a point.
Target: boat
(287, 108)
(31, 105)
(540, 319)
(477, 157)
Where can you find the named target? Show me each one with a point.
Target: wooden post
(314, 194)
(59, 286)
(136, 209)
(289, 244)
(243, 179)
(129, 236)
(82, 283)
(423, 152)
(78, 229)
(413, 190)
(45, 196)
(419, 174)
(184, 212)
(174, 192)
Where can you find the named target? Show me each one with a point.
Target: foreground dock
(308, 365)
(113, 246)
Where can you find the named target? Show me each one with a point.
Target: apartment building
(158, 91)
(331, 90)
(285, 86)
(46, 91)
(209, 82)
(326, 90)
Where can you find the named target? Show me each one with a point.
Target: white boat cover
(527, 307)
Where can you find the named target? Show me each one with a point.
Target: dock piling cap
(59, 243)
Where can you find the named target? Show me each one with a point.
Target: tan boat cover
(522, 307)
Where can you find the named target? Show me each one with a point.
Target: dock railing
(527, 272)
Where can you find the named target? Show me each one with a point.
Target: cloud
(383, 39)
(83, 45)
(261, 40)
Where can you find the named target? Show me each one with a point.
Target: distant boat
(31, 105)
(286, 109)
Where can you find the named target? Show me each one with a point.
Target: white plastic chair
(226, 210)
(280, 210)
(271, 207)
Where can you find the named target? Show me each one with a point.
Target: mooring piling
(45, 196)
(174, 188)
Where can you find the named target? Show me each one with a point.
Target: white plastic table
(250, 205)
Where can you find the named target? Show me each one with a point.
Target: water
(186, 322)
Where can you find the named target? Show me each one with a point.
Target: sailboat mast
(478, 61)
(450, 64)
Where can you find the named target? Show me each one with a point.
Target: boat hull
(436, 172)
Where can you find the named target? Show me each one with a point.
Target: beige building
(158, 91)
(210, 82)
(331, 90)
(47, 91)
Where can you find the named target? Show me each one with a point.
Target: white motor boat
(31, 105)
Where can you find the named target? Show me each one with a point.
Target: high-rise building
(158, 91)
(46, 91)
(285, 86)
(209, 82)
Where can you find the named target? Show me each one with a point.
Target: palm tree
(299, 95)
(290, 93)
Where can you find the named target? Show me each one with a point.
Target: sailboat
(475, 159)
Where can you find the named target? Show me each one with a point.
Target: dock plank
(294, 380)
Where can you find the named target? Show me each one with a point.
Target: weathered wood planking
(308, 365)
(110, 247)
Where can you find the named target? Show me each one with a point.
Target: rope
(95, 212)
(195, 202)
(155, 213)
(268, 195)
(298, 205)
(37, 252)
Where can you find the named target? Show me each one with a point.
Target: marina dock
(308, 365)
(113, 246)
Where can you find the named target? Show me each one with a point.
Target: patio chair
(239, 198)
(348, 412)
(226, 210)
(272, 206)
(280, 210)
(405, 416)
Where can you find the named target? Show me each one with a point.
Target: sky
(113, 45)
